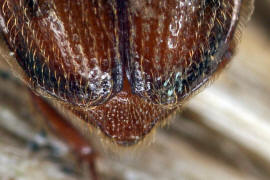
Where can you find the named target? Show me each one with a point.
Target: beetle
(119, 67)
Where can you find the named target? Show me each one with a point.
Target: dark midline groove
(123, 23)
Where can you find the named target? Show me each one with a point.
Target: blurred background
(222, 133)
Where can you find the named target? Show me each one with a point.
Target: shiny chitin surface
(121, 66)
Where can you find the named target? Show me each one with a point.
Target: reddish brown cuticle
(135, 61)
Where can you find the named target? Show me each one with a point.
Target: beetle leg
(68, 133)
